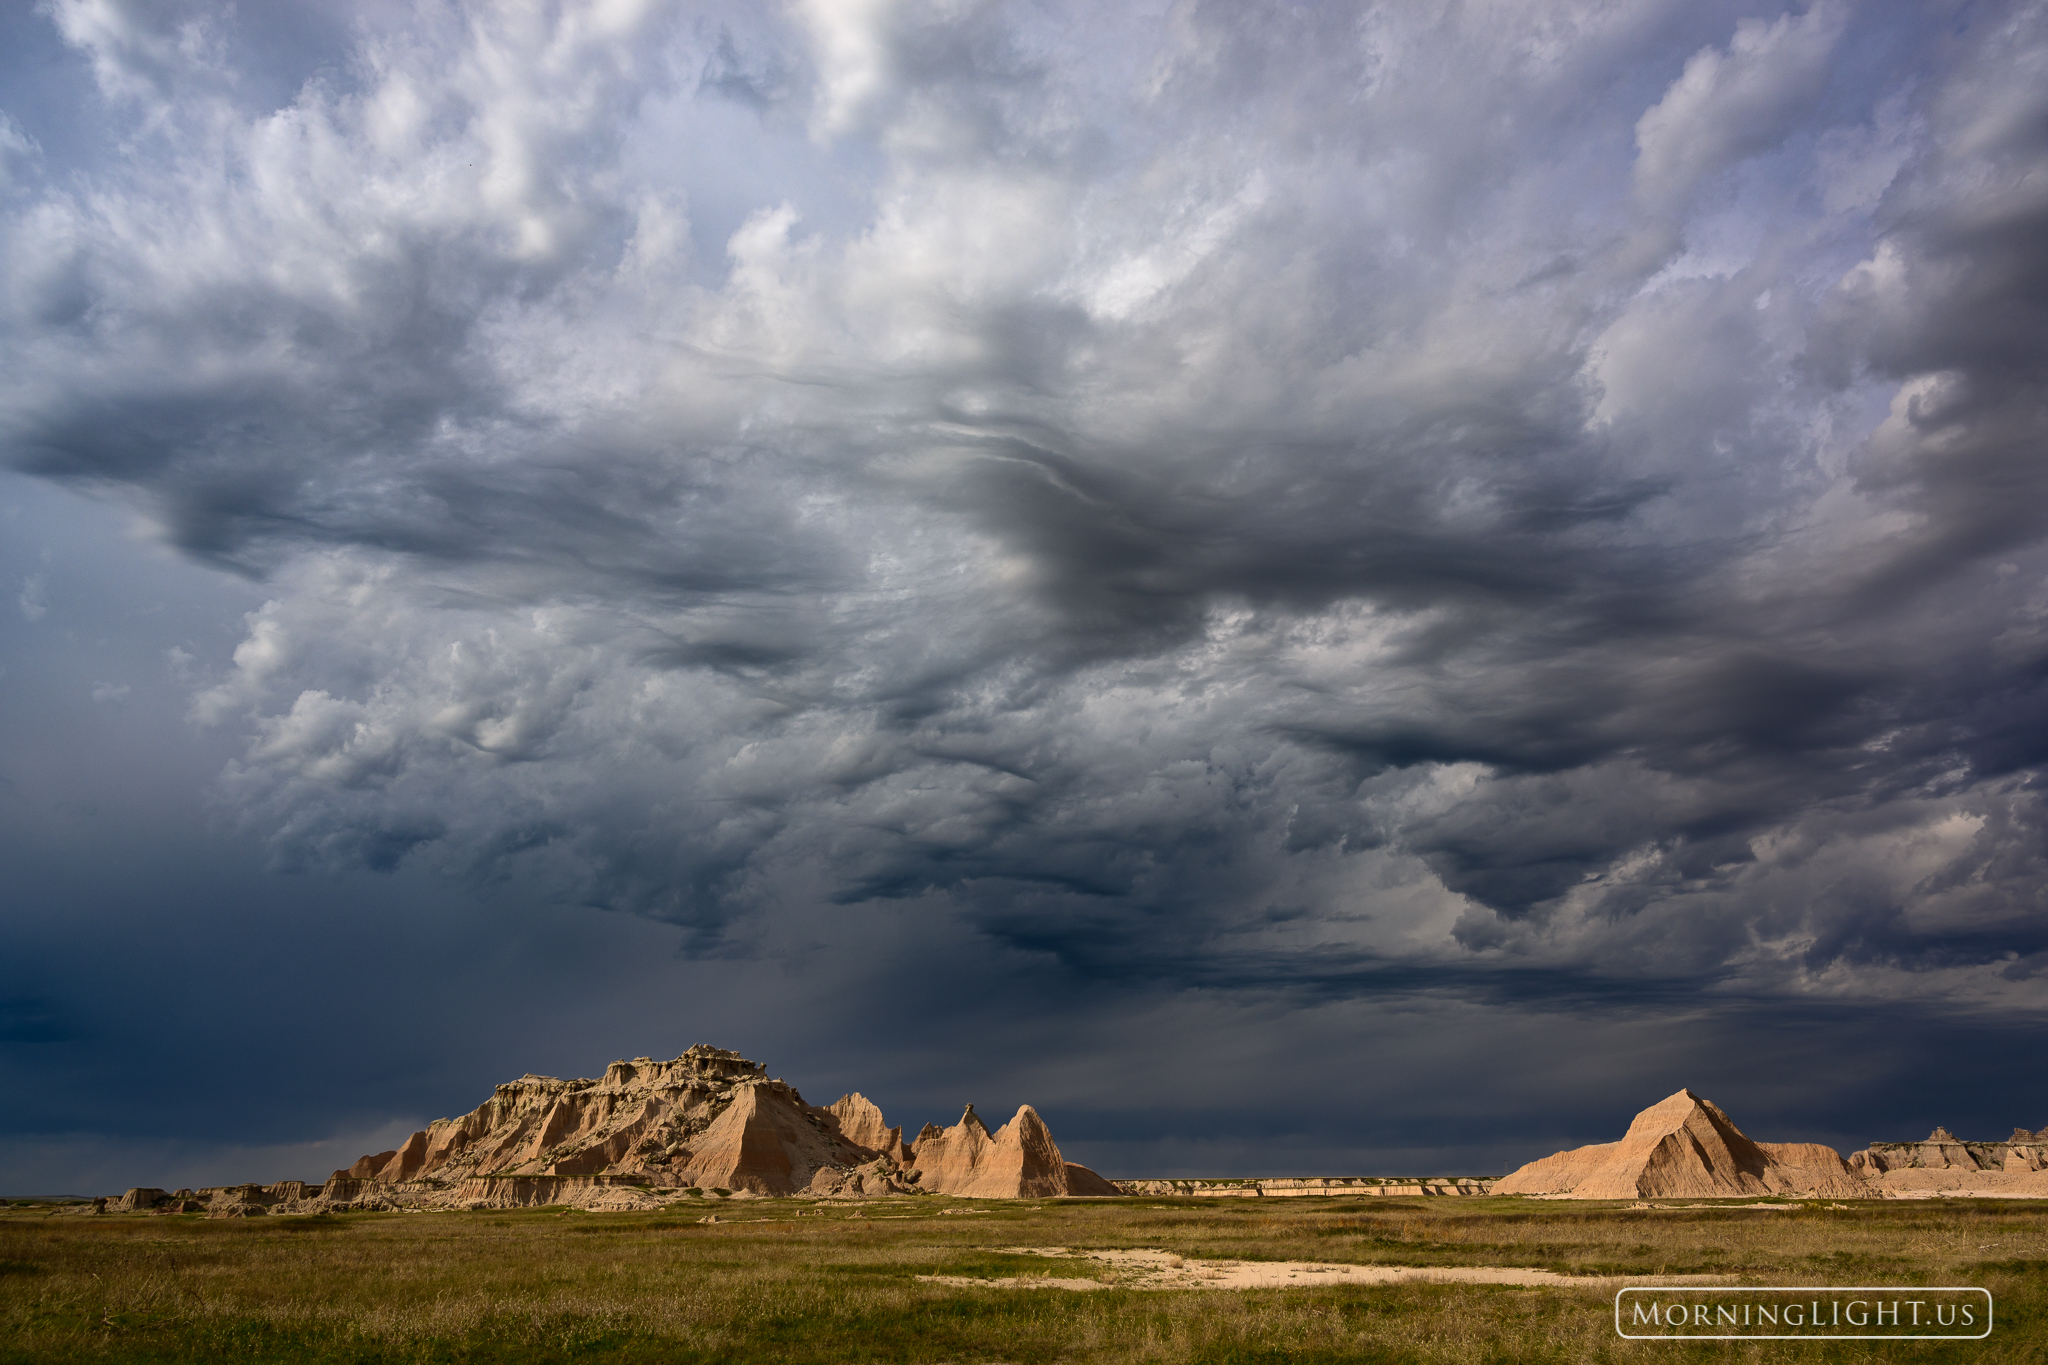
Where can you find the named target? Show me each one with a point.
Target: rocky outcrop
(648, 1132)
(1018, 1161)
(2024, 1151)
(765, 1142)
(1916, 1183)
(597, 1193)
(1082, 1181)
(1944, 1164)
(878, 1177)
(247, 1201)
(1685, 1147)
(856, 1119)
(709, 1119)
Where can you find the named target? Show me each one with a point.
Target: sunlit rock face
(1945, 1164)
(1685, 1146)
(709, 1119)
(1018, 1160)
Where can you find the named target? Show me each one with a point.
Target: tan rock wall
(1018, 1161)
(1082, 1182)
(860, 1122)
(709, 1119)
(1944, 1153)
(1685, 1147)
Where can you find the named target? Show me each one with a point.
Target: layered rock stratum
(1686, 1147)
(647, 1132)
(1943, 1164)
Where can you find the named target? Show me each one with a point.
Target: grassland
(792, 1281)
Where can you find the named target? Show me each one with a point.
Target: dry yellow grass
(767, 1284)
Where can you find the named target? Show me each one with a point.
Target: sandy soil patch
(1960, 1193)
(1030, 1282)
(1158, 1269)
(1654, 1208)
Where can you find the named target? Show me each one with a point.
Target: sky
(1306, 588)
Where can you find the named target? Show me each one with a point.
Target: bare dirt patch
(1156, 1269)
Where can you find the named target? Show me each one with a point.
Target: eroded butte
(646, 1132)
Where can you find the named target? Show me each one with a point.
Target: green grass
(767, 1285)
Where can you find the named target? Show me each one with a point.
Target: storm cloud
(1506, 511)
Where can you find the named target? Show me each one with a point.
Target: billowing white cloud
(1736, 101)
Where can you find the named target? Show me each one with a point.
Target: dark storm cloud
(1521, 504)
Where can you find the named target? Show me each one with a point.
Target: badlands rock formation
(1943, 1164)
(1685, 1147)
(711, 1119)
(648, 1131)
(860, 1122)
(1018, 1160)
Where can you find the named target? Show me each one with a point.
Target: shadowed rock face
(1685, 1146)
(860, 1122)
(709, 1119)
(1081, 1180)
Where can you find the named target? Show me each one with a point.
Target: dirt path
(1165, 1270)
